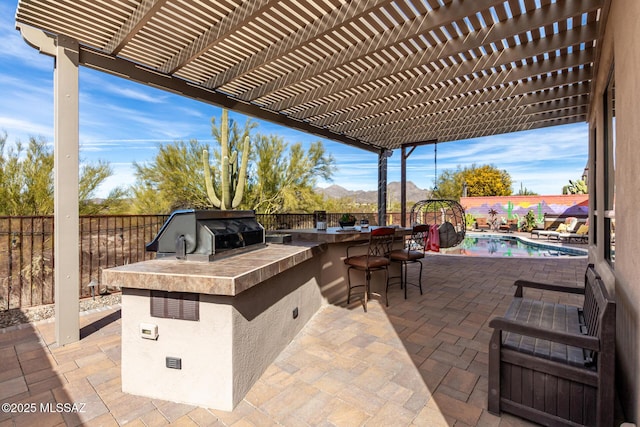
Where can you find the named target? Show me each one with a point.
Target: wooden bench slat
(549, 316)
(543, 347)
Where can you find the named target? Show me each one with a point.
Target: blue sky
(122, 122)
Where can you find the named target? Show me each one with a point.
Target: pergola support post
(66, 204)
(403, 184)
(66, 236)
(382, 186)
(403, 176)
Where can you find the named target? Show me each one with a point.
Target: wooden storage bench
(554, 363)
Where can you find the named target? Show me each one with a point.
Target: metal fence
(26, 249)
(26, 253)
(298, 221)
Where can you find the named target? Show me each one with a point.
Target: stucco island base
(236, 338)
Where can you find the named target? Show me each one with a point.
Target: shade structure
(376, 74)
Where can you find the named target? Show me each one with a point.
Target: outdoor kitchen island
(202, 333)
(222, 322)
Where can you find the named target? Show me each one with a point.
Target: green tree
(280, 177)
(26, 174)
(173, 180)
(91, 177)
(449, 185)
(485, 180)
(284, 176)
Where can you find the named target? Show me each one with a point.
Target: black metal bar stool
(375, 259)
(413, 252)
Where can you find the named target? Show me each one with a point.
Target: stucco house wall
(621, 46)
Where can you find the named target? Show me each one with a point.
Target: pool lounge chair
(581, 235)
(482, 224)
(567, 227)
(509, 227)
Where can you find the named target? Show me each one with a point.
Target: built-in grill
(205, 235)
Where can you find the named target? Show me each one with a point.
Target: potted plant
(470, 221)
(529, 221)
(347, 220)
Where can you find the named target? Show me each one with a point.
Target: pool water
(509, 246)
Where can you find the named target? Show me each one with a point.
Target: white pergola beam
(447, 14)
(487, 121)
(520, 106)
(485, 36)
(138, 19)
(403, 90)
(397, 111)
(561, 86)
(344, 13)
(238, 18)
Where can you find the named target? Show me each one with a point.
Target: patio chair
(376, 258)
(567, 227)
(412, 253)
(581, 235)
(482, 224)
(509, 227)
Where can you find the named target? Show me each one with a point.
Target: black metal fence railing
(299, 221)
(26, 249)
(26, 253)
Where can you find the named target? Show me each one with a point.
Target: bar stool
(413, 252)
(375, 259)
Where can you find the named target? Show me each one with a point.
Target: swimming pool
(495, 245)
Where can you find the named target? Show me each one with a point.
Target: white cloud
(94, 81)
(21, 130)
(123, 176)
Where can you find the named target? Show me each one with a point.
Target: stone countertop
(226, 276)
(336, 234)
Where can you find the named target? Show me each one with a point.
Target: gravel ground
(32, 314)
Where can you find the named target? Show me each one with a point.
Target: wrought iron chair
(413, 252)
(376, 258)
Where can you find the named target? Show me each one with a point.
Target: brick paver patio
(419, 362)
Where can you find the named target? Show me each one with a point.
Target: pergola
(376, 74)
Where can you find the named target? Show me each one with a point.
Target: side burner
(202, 235)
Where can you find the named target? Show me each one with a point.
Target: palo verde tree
(26, 174)
(284, 176)
(279, 177)
(174, 179)
(485, 180)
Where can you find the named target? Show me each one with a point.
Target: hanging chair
(447, 214)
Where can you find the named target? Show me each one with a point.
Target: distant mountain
(414, 193)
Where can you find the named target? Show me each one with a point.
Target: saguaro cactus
(509, 210)
(232, 180)
(540, 217)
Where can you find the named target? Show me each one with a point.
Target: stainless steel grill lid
(203, 235)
